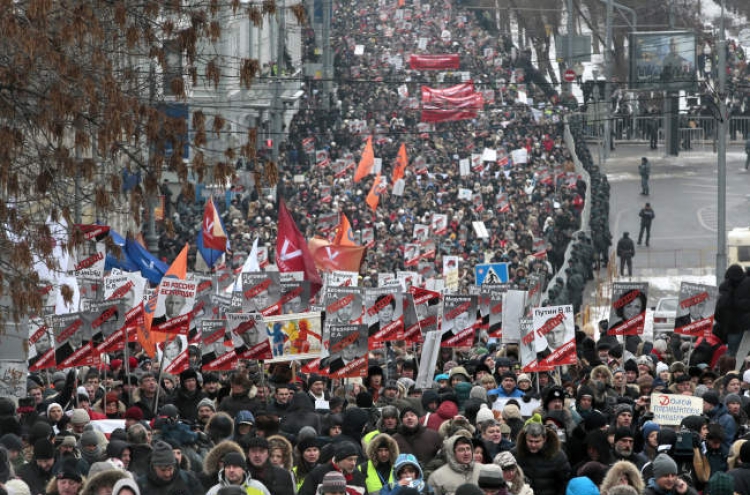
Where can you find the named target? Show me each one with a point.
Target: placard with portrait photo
(554, 335)
(249, 336)
(174, 306)
(695, 309)
(261, 293)
(41, 344)
(460, 321)
(72, 345)
(218, 350)
(348, 351)
(627, 315)
(383, 316)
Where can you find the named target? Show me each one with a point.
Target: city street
(684, 198)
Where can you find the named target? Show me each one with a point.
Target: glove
(696, 441)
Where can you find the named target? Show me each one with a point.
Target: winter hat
(53, 405)
(40, 429)
(234, 459)
(99, 467)
(256, 443)
(630, 365)
(188, 374)
(11, 442)
(89, 439)
(307, 443)
(505, 459)
(523, 377)
(162, 454)
(135, 413)
(720, 484)
(479, 393)
(244, 417)
(80, 417)
(206, 402)
(555, 393)
(661, 367)
(712, 397)
(484, 414)
(344, 450)
(491, 476)
(732, 398)
(333, 482)
(68, 441)
(469, 489)
(389, 412)
(406, 410)
(623, 432)
(623, 408)
(663, 465)
(70, 471)
(594, 420)
(677, 366)
(511, 411)
(7, 407)
(648, 428)
(17, 487)
(307, 432)
(43, 449)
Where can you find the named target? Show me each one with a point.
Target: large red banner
(451, 109)
(458, 91)
(434, 62)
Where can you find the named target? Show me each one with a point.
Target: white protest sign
(671, 409)
(489, 155)
(463, 166)
(359, 50)
(519, 156)
(527, 408)
(13, 378)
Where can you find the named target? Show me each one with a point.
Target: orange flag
(344, 234)
(147, 338)
(401, 162)
(366, 162)
(331, 257)
(373, 197)
(401, 3)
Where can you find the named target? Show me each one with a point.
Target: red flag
(213, 233)
(292, 254)
(344, 234)
(329, 256)
(366, 162)
(401, 162)
(373, 197)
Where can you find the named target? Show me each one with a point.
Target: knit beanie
(234, 459)
(79, 417)
(43, 449)
(162, 454)
(333, 482)
(732, 398)
(720, 484)
(344, 450)
(484, 414)
(491, 476)
(663, 465)
(406, 410)
(135, 413)
(648, 428)
(511, 411)
(479, 393)
(70, 470)
(206, 402)
(89, 439)
(17, 487)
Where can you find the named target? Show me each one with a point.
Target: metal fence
(674, 258)
(692, 129)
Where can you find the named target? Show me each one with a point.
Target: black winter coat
(315, 478)
(182, 483)
(278, 481)
(548, 471)
(187, 403)
(33, 476)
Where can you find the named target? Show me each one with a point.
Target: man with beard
(206, 410)
(277, 480)
(623, 448)
(164, 476)
(414, 438)
(38, 472)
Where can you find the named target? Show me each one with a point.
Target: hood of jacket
(287, 451)
(447, 410)
(450, 456)
(405, 460)
(216, 454)
(375, 443)
(101, 479)
(126, 483)
(620, 469)
(581, 485)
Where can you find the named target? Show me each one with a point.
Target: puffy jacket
(182, 483)
(250, 486)
(446, 479)
(447, 410)
(418, 483)
(721, 415)
(375, 478)
(548, 470)
(420, 441)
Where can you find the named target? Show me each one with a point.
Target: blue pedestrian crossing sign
(491, 273)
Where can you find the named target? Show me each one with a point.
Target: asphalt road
(684, 198)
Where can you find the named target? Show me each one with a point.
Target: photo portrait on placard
(174, 305)
(261, 293)
(344, 305)
(527, 348)
(249, 336)
(695, 309)
(41, 345)
(295, 297)
(493, 311)
(106, 320)
(295, 336)
(71, 343)
(218, 351)
(627, 315)
(384, 316)
(128, 286)
(348, 351)
(554, 329)
(427, 307)
(412, 330)
(459, 320)
(175, 354)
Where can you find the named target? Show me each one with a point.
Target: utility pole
(609, 62)
(277, 107)
(721, 249)
(152, 240)
(570, 40)
(327, 56)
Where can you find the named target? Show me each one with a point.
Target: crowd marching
(435, 128)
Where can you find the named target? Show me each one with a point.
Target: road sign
(569, 75)
(491, 273)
